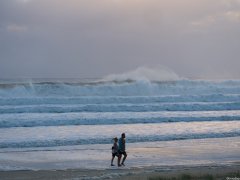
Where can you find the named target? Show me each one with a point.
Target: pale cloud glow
(233, 16)
(209, 20)
(231, 3)
(16, 28)
(23, 1)
(229, 12)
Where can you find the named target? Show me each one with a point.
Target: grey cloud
(92, 38)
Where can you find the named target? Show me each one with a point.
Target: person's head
(123, 135)
(115, 139)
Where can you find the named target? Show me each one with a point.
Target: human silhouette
(122, 149)
(115, 151)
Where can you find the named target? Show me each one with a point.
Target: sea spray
(159, 74)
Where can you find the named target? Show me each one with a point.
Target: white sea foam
(159, 74)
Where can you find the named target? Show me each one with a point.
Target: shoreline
(213, 171)
(97, 157)
(217, 158)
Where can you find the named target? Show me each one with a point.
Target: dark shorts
(122, 152)
(115, 154)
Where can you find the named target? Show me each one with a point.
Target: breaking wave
(147, 104)
(125, 88)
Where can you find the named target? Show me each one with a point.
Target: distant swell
(119, 99)
(67, 119)
(61, 108)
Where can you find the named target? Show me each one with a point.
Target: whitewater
(44, 115)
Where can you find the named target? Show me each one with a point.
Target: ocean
(59, 114)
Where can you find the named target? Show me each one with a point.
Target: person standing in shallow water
(122, 149)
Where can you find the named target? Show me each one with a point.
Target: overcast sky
(94, 38)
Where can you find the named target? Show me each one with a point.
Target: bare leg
(119, 159)
(124, 158)
(112, 160)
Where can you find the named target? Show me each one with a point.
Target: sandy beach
(167, 172)
(216, 158)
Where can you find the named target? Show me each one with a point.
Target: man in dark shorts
(122, 148)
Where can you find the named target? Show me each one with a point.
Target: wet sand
(168, 172)
(217, 157)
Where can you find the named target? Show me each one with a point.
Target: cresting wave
(123, 88)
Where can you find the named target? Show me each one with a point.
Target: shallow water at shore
(165, 153)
